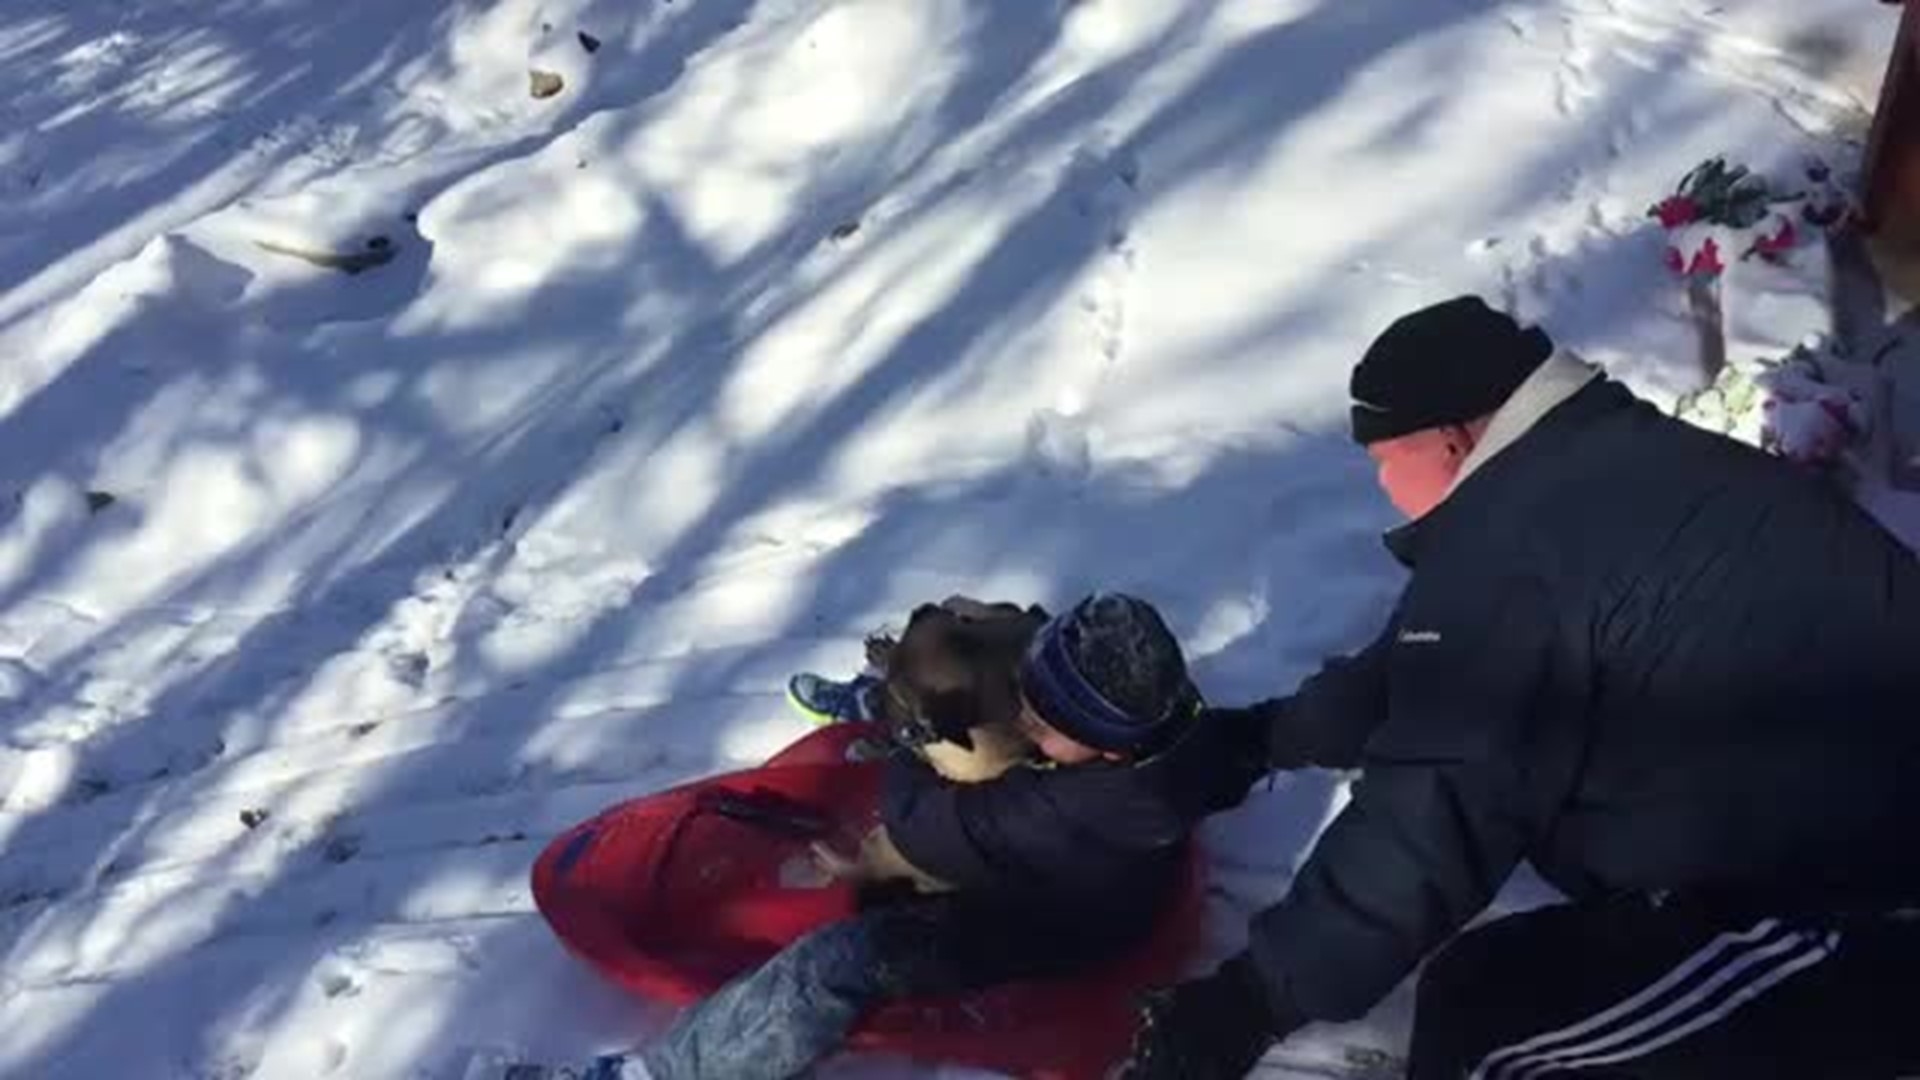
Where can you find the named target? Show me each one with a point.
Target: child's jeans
(780, 1019)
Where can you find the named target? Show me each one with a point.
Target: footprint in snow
(340, 849)
(1107, 184)
(1059, 446)
(338, 984)
(410, 668)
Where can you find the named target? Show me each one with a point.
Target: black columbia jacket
(1639, 655)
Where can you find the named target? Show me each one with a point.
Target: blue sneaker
(825, 701)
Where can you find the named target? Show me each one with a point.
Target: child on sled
(1082, 771)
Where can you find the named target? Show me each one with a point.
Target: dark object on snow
(545, 84)
(589, 42)
(98, 501)
(1447, 364)
(844, 231)
(379, 251)
(340, 849)
(254, 818)
(1642, 657)
(1892, 196)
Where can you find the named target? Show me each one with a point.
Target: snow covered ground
(326, 598)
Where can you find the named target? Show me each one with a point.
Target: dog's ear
(920, 645)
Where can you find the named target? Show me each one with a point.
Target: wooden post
(1892, 196)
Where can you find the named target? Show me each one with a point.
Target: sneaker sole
(813, 715)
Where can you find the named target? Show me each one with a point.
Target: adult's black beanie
(1447, 364)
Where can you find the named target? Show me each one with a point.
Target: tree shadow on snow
(291, 913)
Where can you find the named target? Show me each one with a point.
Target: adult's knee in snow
(1453, 1004)
(1468, 973)
(1454, 972)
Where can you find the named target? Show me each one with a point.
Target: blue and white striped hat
(1108, 674)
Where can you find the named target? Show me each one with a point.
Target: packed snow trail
(326, 597)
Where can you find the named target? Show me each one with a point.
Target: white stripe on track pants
(1628, 988)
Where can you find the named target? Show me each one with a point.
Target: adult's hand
(1241, 741)
(1214, 1028)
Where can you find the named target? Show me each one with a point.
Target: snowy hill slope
(325, 598)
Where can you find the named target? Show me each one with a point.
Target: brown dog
(953, 673)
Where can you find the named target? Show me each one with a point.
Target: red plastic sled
(672, 894)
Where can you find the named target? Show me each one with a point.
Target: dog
(952, 695)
